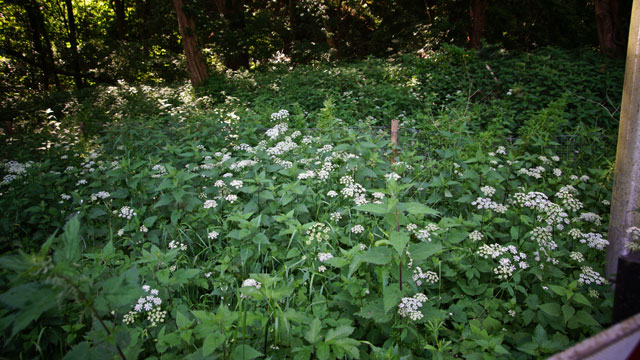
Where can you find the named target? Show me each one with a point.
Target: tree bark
(73, 40)
(196, 66)
(477, 11)
(610, 32)
(41, 43)
(120, 19)
(233, 11)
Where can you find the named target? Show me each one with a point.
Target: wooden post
(625, 199)
(394, 139)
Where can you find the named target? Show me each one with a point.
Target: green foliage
(204, 225)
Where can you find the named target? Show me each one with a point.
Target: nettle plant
(292, 244)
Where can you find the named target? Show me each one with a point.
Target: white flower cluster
(487, 203)
(634, 241)
(251, 283)
(160, 171)
(357, 229)
(594, 240)
(309, 174)
(567, 194)
(332, 194)
(100, 195)
(545, 160)
(353, 190)
(322, 257)
(236, 184)
(533, 172)
(476, 235)
(276, 131)
(237, 166)
(557, 172)
(493, 251)
(501, 150)
(538, 254)
(210, 204)
(317, 232)
(231, 198)
(282, 147)
(589, 217)
(127, 212)
(212, 235)
(410, 306)
(393, 176)
(65, 196)
(429, 277)
(148, 302)
(544, 237)
(336, 216)
(576, 256)
(156, 316)
(488, 191)
(555, 216)
(507, 264)
(280, 115)
(589, 276)
(143, 229)
(177, 245)
(575, 233)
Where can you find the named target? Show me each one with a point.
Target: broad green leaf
(422, 251)
(391, 297)
(415, 208)
(581, 299)
(558, 290)
(567, 312)
(212, 342)
(377, 255)
(245, 352)
(378, 209)
(340, 332)
(182, 321)
(399, 241)
(312, 335)
(552, 309)
(323, 351)
(585, 318)
(96, 212)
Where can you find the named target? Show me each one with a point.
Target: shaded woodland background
(63, 44)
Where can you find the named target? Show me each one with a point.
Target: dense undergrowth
(264, 216)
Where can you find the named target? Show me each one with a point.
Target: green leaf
(323, 351)
(552, 309)
(71, 240)
(245, 352)
(567, 312)
(374, 311)
(415, 208)
(581, 299)
(514, 232)
(422, 251)
(399, 241)
(342, 331)
(391, 297)
(96, 212)
(378, 209)
(119, 194)
(583, 317)
(212, 342)
(182, 320)
(558, 290)
(164, 200)
(456, 235)
(376, 255)
(312, 335)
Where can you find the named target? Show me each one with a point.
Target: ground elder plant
(210, 240)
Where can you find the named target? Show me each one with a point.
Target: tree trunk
(73, 40)
(610, 33)
(233, 11)
(196, 66)
(477, 10)
(625, 199)
(120, 19)
(41, 43)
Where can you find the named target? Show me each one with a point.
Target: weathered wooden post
(626, 187)
(394, 139)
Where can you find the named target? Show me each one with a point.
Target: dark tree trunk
(233, 11)
(41, 43)
(73, 40)
(330, 23)
(477, 11)
(196, 66)
(292, 13)
(120, 19)
(610, 32)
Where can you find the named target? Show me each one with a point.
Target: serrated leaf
(585, 318)
(212, 342)
(552, 309)
(391, 297)
(422, 251)
(558, 290)
(182, 320)
(378, 209)
(342, 331)
(399, 241)
(245, 352)
(312, 335)
(567, 312)
(415, 208)
(581, 299)
(323, 351)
